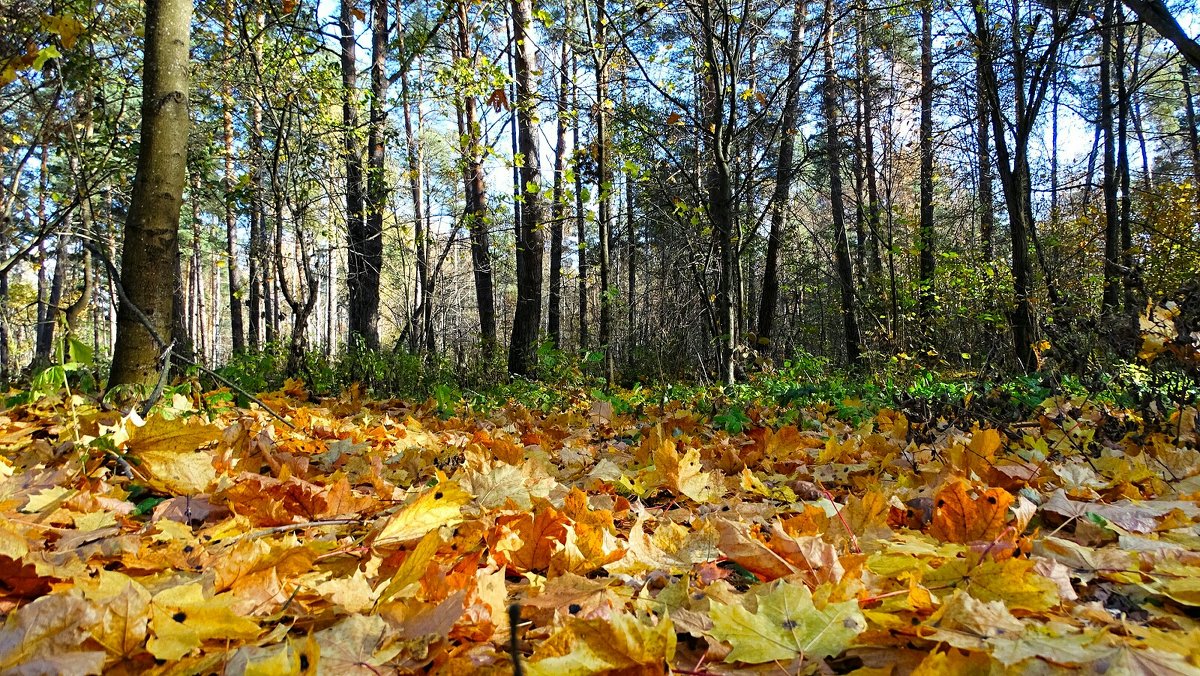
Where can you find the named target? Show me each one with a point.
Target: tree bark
(424, 339)
(1111, 301)
(152, 228)
(1193, 128)
(987, 209)
(1156, 15)
(522, 351)
(1126, 206)
(869, 169)
(236, 328)
(719, 187)
(845, 270)
(604, 185)
(580, 216)
(559, 209)
(476, 198)
(1030, 81)
(366, 245)
(926, 299)
(784, 171)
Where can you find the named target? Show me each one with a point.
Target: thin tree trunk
(833, 149)
(784, 171)
(554, 313)
(603, 186)
(632, 244)
(43, 325)
(424, 292)
(580, 216)
(236, 329)
(1193, 128)
(925, 292)
(1111, 302)
(476, 195)
(517, 190)
(987, 211)
(46, 330)
(869, 168)
(1126, 253)
(1054, 99)
(1136, 110)
(352, 155)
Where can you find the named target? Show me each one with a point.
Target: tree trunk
(603, 185)
(784, 171)
(869, 168)
(580, 216)
(1155, 14)
(1136, 110)
(476, 194)
(719, 187)
(352, 155)
(987, 209)
(1193, 128)
(1112, 224)
(424, 339)
(43, 330)
(925, 291)
(366, 245)
(1126, 251)
(845, 272)
(517, 190)
(236, 329)
(522, 351)
(559, 209)
(152, 228)
(1013, 163)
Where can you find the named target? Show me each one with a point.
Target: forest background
(411, 194)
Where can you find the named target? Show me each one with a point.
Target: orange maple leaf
(957, 517)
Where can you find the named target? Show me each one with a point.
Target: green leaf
(733, 420)
(79, 353)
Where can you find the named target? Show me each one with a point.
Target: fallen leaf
(786, 625)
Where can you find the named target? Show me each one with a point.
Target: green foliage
(72, 369)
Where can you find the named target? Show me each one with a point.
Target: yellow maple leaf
(167, 450)
(438, 506)
(684, 476)
(620, 644)
(182, 619)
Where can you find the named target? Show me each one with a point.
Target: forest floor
(375, 537)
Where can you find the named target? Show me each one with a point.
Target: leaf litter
(381, 537)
